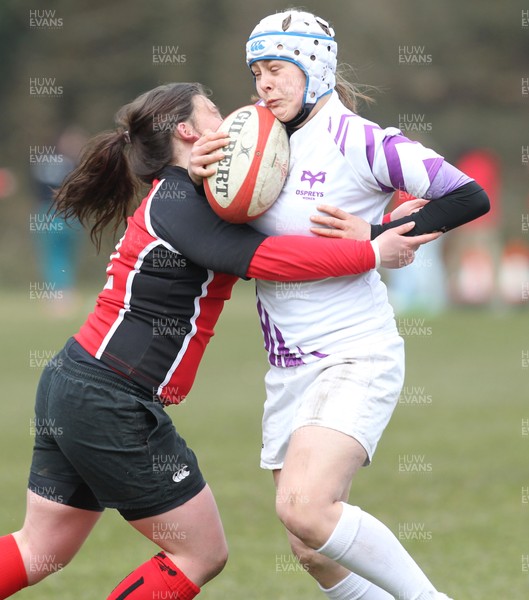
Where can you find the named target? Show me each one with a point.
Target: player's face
(205, 115)
(281, 84)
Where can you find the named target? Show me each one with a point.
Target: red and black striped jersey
(167, 282)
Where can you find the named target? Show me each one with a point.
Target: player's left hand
(340, 224)
(407, 208)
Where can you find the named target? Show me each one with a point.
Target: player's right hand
(205, 152)
(398, 250)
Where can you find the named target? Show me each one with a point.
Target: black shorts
(101, 441)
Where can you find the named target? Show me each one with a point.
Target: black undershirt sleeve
(456, 208)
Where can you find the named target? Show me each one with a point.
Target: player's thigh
(52, 534)
(319, 466)
(191, 534)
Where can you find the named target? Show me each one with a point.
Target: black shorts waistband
(97, 374)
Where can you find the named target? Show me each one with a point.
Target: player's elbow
(475, 200)
(481, 203)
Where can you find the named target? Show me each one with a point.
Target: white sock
(354, 587)
(366, 546)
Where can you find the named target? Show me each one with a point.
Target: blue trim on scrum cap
(308, 35)
(290, 60)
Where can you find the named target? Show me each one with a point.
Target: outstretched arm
(296, 258)
(460, 206)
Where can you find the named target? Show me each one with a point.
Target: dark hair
(102, 188)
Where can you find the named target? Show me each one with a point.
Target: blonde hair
(352, 94)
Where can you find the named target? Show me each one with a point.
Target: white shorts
(354, 392)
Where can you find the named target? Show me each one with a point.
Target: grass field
(450, 476)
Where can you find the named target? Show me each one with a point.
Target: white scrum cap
(301, 38)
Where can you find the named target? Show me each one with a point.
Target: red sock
(156, 579)
(13, 576)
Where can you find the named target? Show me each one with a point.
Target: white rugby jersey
(341, 159)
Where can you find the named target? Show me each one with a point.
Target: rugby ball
(250, 177)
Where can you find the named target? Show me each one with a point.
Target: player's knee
(221, 558)
(41, 564)
(301, 519)
(288, 513)
(40, 559)
(216, 560)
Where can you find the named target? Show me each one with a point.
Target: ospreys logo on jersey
(312, 179)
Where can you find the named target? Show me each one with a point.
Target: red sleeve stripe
(300, 258)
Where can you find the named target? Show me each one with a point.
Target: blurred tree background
(465, 85)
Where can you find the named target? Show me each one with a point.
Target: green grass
(467, 394)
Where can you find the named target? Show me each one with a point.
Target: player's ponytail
(103, 188)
